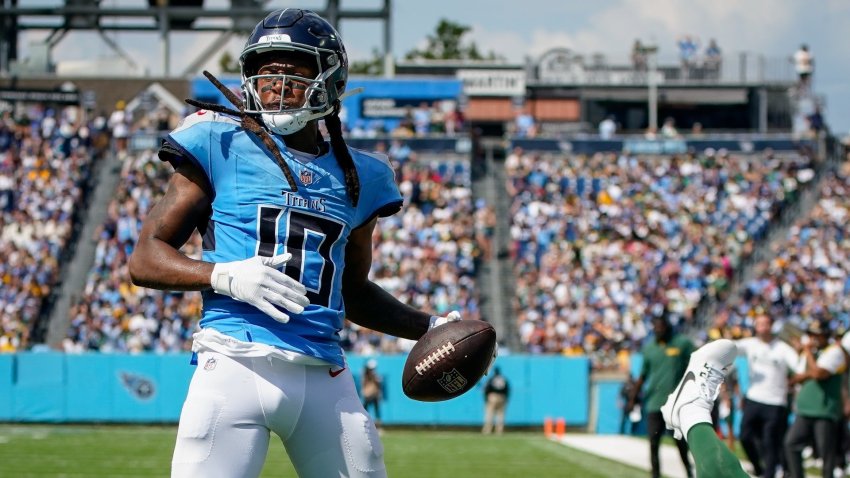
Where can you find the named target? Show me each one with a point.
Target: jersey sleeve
(379, 194)
(191, 141)
(832, 360)
(790, 355)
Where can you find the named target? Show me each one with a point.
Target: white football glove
(437, 321)
(258, 281)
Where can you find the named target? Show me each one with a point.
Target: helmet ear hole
(317, 98)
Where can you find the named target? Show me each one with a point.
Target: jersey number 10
(310, 239)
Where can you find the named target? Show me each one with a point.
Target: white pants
(235, 402)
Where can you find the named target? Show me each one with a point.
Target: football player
(287, 220)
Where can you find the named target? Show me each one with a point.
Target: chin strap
(351, 92)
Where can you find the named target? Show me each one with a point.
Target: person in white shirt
(765, 409)
(804, 65)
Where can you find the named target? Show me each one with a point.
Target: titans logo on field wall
(140, 387)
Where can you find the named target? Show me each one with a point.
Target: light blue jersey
(254, 212)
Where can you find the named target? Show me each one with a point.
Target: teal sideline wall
(54, 387)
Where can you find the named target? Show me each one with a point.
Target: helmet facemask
(282, 118)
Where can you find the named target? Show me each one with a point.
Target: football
(448, 360)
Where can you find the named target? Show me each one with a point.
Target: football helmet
(297, 32)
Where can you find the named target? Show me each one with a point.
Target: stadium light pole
(652, 61)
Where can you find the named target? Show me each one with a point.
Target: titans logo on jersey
(254, 212)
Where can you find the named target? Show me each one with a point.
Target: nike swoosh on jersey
(333, 373)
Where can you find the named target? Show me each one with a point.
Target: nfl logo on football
(452, 381)
(306, 177)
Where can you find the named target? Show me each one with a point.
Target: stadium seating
(113, 315)
(644, 236)
(45, 162)
(809, 276)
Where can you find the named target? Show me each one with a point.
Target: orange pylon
(560, 427)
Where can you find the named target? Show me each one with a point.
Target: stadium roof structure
(159, 16)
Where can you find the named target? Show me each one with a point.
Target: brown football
(448, 360)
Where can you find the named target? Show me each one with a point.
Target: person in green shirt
(819, 403)
(665, 358)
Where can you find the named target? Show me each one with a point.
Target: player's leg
(655, 429)
(688, 410)
(752, 429)
(712, 457)
(773, 431)
(798, 437)
(333, 435)
(222, 430)
(826, 440)
(489, 411)
(500, 414)
(682, 446)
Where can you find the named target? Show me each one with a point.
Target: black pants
(655, 429)
(805, 430)
(762, 429)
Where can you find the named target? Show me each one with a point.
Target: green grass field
(145, 451)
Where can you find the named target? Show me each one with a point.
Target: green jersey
(664, 364)
(822, 398)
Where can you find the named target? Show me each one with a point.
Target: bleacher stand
(427, 254)
(809, 275)
(45, 161)
(644, 236)
(113, 315)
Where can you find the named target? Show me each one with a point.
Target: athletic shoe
(693, 399)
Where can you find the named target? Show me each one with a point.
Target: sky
(520, 29)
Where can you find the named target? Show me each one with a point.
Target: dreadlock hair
(248, 122)
(343, 156)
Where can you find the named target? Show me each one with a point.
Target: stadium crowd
(428, 254)
(644, 236)
(809, 275)
(112, 314)
(46, 157)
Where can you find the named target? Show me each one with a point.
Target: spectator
(638, 56)
(688, 48)
(422, 119)
(665, 358)
(524, 123)
(765, 408)
(607, 128)
(712, 61)
(668, 129)
(816, 123)
(372, 390)
(119, 123)
(819, 403)
(804, 65)
(496, 393)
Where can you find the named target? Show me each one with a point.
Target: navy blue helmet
(301, 33)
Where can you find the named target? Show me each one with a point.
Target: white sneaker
(693, 399)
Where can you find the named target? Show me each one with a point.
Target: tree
(228, 64)
(447, 44)
(371, 67)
